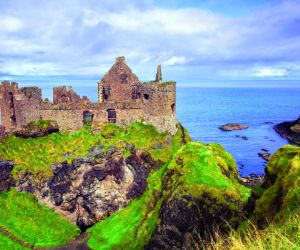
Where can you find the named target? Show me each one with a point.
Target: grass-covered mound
(280, 192)
(37, 155)
(8, 244)
(195, 172)
(27, 220)
(38, 128)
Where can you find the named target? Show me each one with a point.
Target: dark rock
(86, 190)
(233, 126)
(289, 130)
(253, 180)
(265, 150)
(38, 129)
(265, 156)
(245, 137)
(6, 179)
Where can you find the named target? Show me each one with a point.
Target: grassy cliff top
(38, 154)
(281, 189)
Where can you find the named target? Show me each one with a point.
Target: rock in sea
(233, 126)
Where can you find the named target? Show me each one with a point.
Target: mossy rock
(38, 128)
(186, 198)
(281, 186)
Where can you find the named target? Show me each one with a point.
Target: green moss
(282, 186)
(31, 222)
(43, 124)
(192, 170)
(198, 166)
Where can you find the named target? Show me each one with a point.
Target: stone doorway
(112, 115)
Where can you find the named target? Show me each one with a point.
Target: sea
(201, 110)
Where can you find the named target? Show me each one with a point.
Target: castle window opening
(146, 96)
(106, 93)
(173, 107)
(88, 118)
(135, 92)
(112, 115)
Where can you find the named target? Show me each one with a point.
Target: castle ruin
(122, 99)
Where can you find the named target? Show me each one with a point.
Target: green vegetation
(37, 155)
(198, 167)
(195, 172)
(283, 235)
(42, 124)
(8, 244)
(26, 219)
(282, 186)
(275, 222)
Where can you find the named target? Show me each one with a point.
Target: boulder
(289, 130)
(233, 126)
(6, 179)
(37, 129)
(201, 193)
(265, 156)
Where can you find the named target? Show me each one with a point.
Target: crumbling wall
(18, 106)
(62, 95)
(116, 85)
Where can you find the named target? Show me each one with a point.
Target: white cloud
(10, 24)
(174, 60)
(270, 72)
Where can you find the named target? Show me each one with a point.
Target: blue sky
(194, 40)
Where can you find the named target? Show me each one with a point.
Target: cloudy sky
(194, 40)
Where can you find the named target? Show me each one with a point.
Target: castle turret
(158, 77)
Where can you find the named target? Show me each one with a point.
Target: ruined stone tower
(18, 106)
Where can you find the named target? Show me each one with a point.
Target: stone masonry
(122, 99)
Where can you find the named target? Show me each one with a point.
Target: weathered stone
(86, 191)
(233, 126)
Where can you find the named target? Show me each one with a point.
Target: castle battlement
(122, 99)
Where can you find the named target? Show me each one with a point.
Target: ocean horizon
(203, 109)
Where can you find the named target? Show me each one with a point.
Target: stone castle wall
(122, 100)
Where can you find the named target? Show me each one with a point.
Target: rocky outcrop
(200, 193)
(6, 179)
(289, 130)
(37, 129)
(93, 187)
(279, 194)
(233, 126)
(265, 156)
